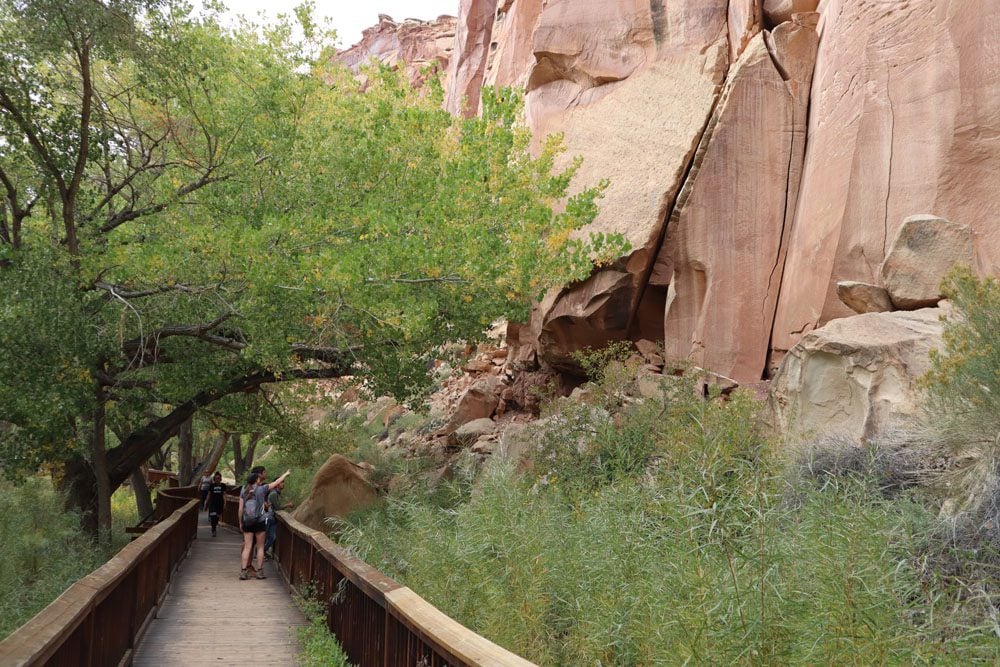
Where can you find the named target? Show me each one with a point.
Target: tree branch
(129, 214)
(142, 443)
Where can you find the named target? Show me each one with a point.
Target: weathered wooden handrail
(98, 620)
(378, 621)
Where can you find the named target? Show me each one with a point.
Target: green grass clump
(666, 532)
(319, 647)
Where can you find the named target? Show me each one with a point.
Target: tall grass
(667, 533)
(42, 549)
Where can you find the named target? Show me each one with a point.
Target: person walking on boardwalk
(216, 500)
(252, 499)
(203, 486)
(270, 511)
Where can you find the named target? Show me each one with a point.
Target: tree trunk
(79, 487)
(143, 501)
(239, 464)
(212, 458)
(100, 462)
(185, 445)
(243, 461)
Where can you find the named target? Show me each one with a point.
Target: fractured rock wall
(724, 239)
(905, 119)
(614, 77)
(750, 169)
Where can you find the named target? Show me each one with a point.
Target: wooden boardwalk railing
(99, 620)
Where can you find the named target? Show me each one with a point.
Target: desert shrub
(963, 391)
(680, 545)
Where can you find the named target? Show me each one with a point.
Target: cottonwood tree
(190, 213)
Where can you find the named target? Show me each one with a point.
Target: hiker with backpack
(216, 500)
(252, 500)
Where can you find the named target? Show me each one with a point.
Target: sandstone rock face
(411, 44)
(631, 85)
(471, 50)
(511, 56)
(724, 239)
(855, 376)
(925, 249)
(864, 298)
(779, 11)
(904, 119)
(744, 21)
(339, 488)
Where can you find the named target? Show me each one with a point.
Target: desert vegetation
(673, 530)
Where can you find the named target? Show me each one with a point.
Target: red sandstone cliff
(759, 151)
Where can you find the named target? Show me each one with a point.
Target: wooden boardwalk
(210, 617)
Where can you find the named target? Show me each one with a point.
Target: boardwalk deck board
(205, 618)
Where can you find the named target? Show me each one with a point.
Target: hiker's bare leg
(259, 539)
(248, 538)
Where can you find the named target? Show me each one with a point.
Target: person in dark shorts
(216, 500)
(252, 500)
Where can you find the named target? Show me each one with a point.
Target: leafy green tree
(190, 213)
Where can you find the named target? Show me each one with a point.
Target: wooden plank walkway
(210, 617)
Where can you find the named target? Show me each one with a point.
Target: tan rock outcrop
(725, 237)
(779, 11)
(339, 488)
(864, 297)
(744, 21)
(511, 56)
(470, 52)
(631, 85)
(904, 119)
(412, 44)
(855, 376)
(924, 251)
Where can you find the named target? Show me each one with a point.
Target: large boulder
(925, 250)
(478, 402)
(339, 488)
(725, 239)
(904, 118)
(856, 376)
(779, 11)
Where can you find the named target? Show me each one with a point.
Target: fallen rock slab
(856, 376)
(864, 297)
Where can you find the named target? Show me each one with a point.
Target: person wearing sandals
(252, 500)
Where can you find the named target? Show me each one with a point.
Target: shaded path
(210, 617)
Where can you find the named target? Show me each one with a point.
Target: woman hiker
(252, 499)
